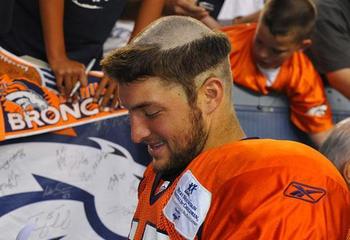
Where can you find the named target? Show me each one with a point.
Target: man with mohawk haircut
(206, 180)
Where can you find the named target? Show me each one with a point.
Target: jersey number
(150, 232)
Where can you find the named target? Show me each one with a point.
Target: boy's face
(271, 51)
(161, 117)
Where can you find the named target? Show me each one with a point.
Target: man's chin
(167, 169)
(160, 165)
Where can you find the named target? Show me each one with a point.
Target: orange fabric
(67, 132)
(297, 79)
(16, 68)
(250, 194)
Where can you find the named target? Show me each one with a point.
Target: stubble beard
(182, 154)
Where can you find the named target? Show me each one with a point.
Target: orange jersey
(297, 78)
(284, 190)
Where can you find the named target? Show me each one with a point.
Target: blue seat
(268, 116)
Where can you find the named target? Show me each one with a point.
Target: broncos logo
(22, 95)
(28, 100)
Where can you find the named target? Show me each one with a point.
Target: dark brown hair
(179, 64)
(284, 16)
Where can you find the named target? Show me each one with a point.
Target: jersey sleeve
(310, 110)
(272, 208)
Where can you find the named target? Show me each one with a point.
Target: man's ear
(346, 172)
(212, 93)
(305, 44)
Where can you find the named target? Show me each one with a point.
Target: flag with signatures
(30, 103)
(77, 183)
(56, 186)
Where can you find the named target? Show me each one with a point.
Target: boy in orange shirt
(268, 56)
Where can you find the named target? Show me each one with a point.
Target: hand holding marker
(87, 70)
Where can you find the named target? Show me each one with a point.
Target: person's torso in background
(87, 24)
(235, 8)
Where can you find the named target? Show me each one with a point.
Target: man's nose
(263, 53)
(139, 129)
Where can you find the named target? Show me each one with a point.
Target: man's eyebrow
(140, 105)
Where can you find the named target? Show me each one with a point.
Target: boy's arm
(340, 80)
(186, 8)
(149, 11)
(318, 138)
(66, 71)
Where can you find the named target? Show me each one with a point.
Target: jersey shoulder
(280, 157)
